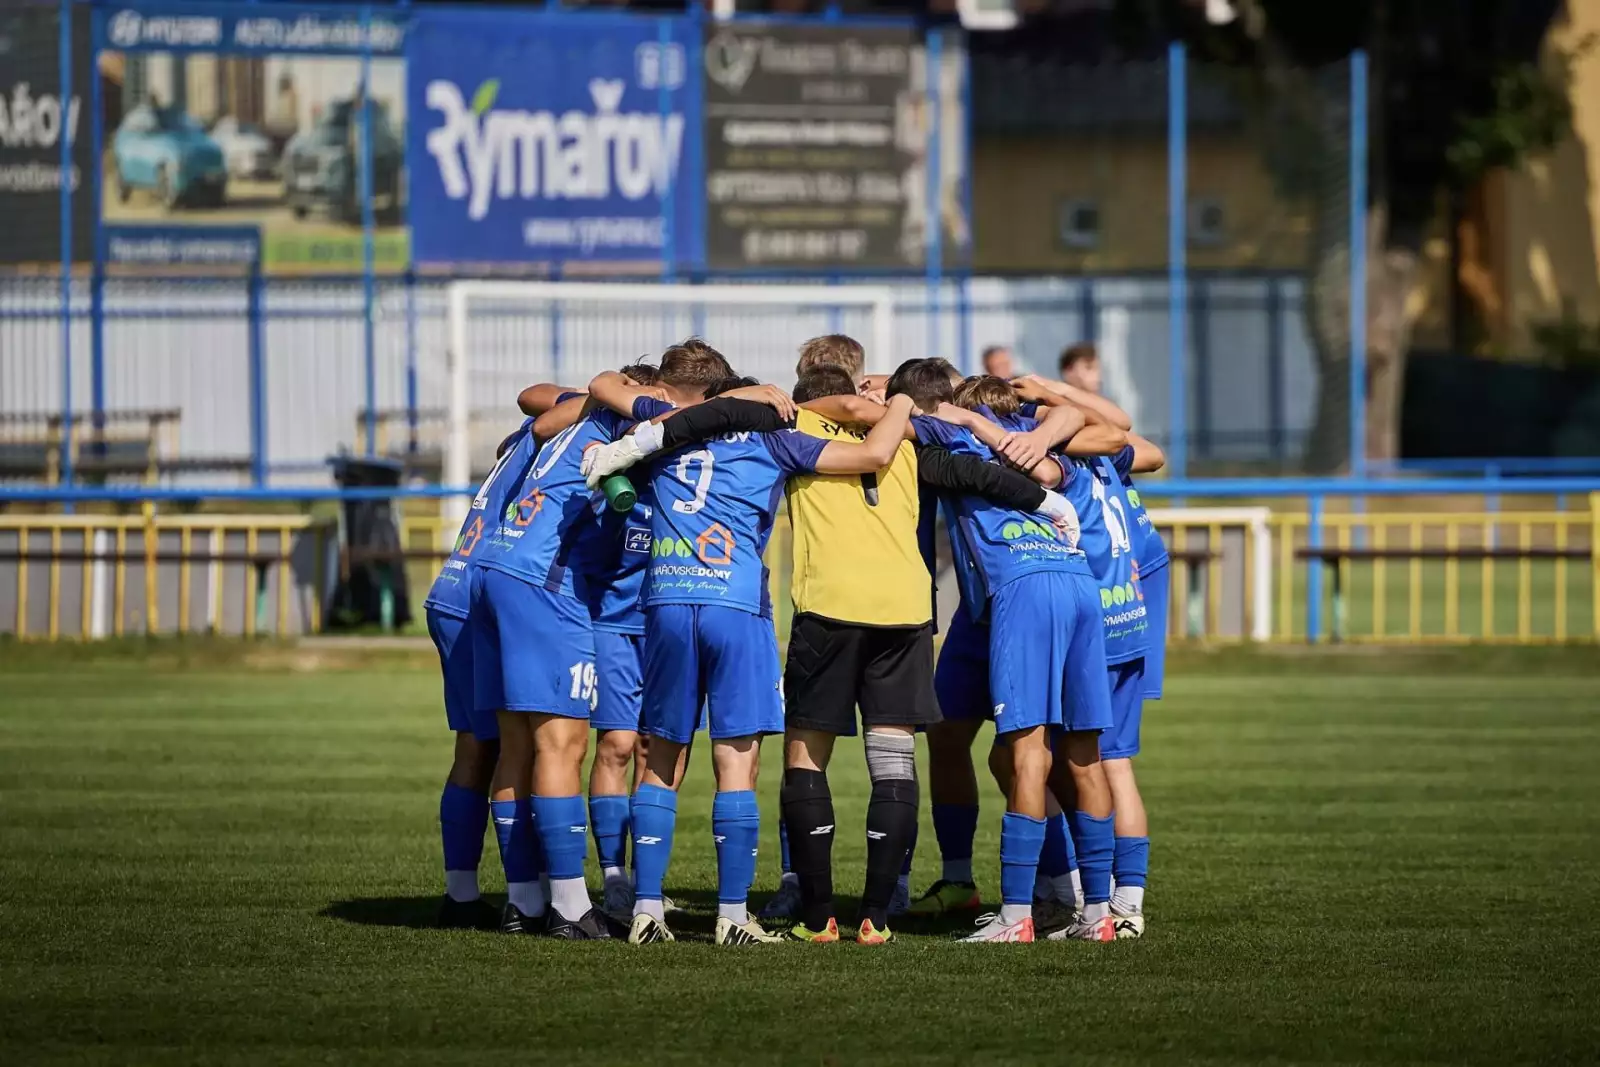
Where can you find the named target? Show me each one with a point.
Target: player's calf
(891, 824)
(608, 815)
(1130, 863)
(560, 744)
(1084, 793)
(511, 805)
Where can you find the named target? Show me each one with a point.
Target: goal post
(507, 334)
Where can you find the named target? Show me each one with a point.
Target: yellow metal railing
(277, 579)
(1527, 576)
(1521, 577)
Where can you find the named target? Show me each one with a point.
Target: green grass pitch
(1357, 859)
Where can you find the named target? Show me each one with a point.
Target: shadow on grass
(412, 913)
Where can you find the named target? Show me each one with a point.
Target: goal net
(506, 334)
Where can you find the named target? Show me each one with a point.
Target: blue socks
(1131, 860)
(955, 825)
(1055, 859)
(736, 827)
(563, 832)
(608, 817)
(520, 854)
(654, 816)
(1094, 841)
(1021, 838)
(463, 816)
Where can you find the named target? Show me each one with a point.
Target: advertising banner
(817, 145)
(550, 140)
(32, 124)
(239, 116)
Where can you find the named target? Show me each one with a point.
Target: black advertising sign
(816, 147)
(33, 120)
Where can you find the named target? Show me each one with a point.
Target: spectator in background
(1080, 367)
(997, 361)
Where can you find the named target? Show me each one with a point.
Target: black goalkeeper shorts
(835, 667)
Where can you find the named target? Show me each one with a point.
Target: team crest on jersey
(637, 539)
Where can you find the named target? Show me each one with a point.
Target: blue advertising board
(548, 141)
(235, 28)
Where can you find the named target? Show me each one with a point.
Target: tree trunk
(1392, 272)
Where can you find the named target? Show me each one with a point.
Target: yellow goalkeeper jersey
(856, 558)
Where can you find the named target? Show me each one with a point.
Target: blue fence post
(934, 265)
(1177, 223)
(965, 341)
(964, 319)
(1358, 264)
(369, 222)
(256, 312)
(97, 280)
(1201, 331)
(1088, 312)
(411, 359)
(669, 249)
(1313, 571)
(64, 57)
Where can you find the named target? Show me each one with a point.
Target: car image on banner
(563, 144)
(220, 118)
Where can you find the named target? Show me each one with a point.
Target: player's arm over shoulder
(872, 454)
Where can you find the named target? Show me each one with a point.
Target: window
(1207, 223)
(1078, 224)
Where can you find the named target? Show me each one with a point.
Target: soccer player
(1131, 678)
(464, 803)
(833, 350)
(534, 662)
(997, 362)
(709, 638)
(862, 633)
(1079, 367)
(962, 677)
(1046, 649)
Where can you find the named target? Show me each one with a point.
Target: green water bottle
(619, 492)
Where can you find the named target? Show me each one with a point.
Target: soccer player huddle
(609, 577)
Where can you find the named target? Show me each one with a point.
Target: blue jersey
(451, 591)
(993, 545)
(1148, 547)
(714, 506)
(550, 533)
(620, 606)
(1113, 559)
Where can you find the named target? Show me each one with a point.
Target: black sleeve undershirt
(947, 472)
(715, 417)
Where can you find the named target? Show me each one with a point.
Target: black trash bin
(371, 589)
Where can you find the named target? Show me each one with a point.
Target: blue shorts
(724, 658)
(961, 680)
(532, 650)
(1047, 654)
(619, 660)
(452, 636)
(1157, 586)
(1126, 682)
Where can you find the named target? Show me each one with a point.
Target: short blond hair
(985, 390)
(832, 350)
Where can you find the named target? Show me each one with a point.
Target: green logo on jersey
(667, 547)
(1133, 497)
(1117, 595)
(1013, 531)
